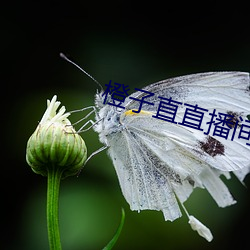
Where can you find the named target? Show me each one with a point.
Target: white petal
(51, 114)
(50, 109)
(200, 228)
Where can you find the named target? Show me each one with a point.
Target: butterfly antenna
(68, 60)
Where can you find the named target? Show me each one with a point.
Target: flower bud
(55, 144)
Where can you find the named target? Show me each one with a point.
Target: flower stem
(54, 177)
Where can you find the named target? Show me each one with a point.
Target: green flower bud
(55, 144)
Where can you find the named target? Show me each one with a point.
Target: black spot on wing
(234, 119)
(212, 146)
(191, 181)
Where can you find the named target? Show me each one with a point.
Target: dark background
(134, 43)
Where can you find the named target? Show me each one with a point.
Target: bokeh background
(134, 43)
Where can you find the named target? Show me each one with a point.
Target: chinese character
(142, 99)
(167, 110)
(223, 126)
(247, 132)
(192, 117)
(117, 93)
(236, 120)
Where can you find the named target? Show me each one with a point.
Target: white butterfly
(159, 163)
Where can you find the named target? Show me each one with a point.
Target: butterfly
(159, 160)
(159, 163)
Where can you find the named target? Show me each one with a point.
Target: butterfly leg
(96, 152)
(92, 154)
(86, 116)
(81, 129)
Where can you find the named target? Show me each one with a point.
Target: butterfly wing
(212, 90)
(156, 160)
(141, 183)
(225, 92)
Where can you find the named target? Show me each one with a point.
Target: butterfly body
(109, 122)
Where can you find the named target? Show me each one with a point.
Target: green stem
(54, 177)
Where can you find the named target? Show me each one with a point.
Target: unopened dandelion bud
(55, 144)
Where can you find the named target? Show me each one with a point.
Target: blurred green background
(131, 43)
